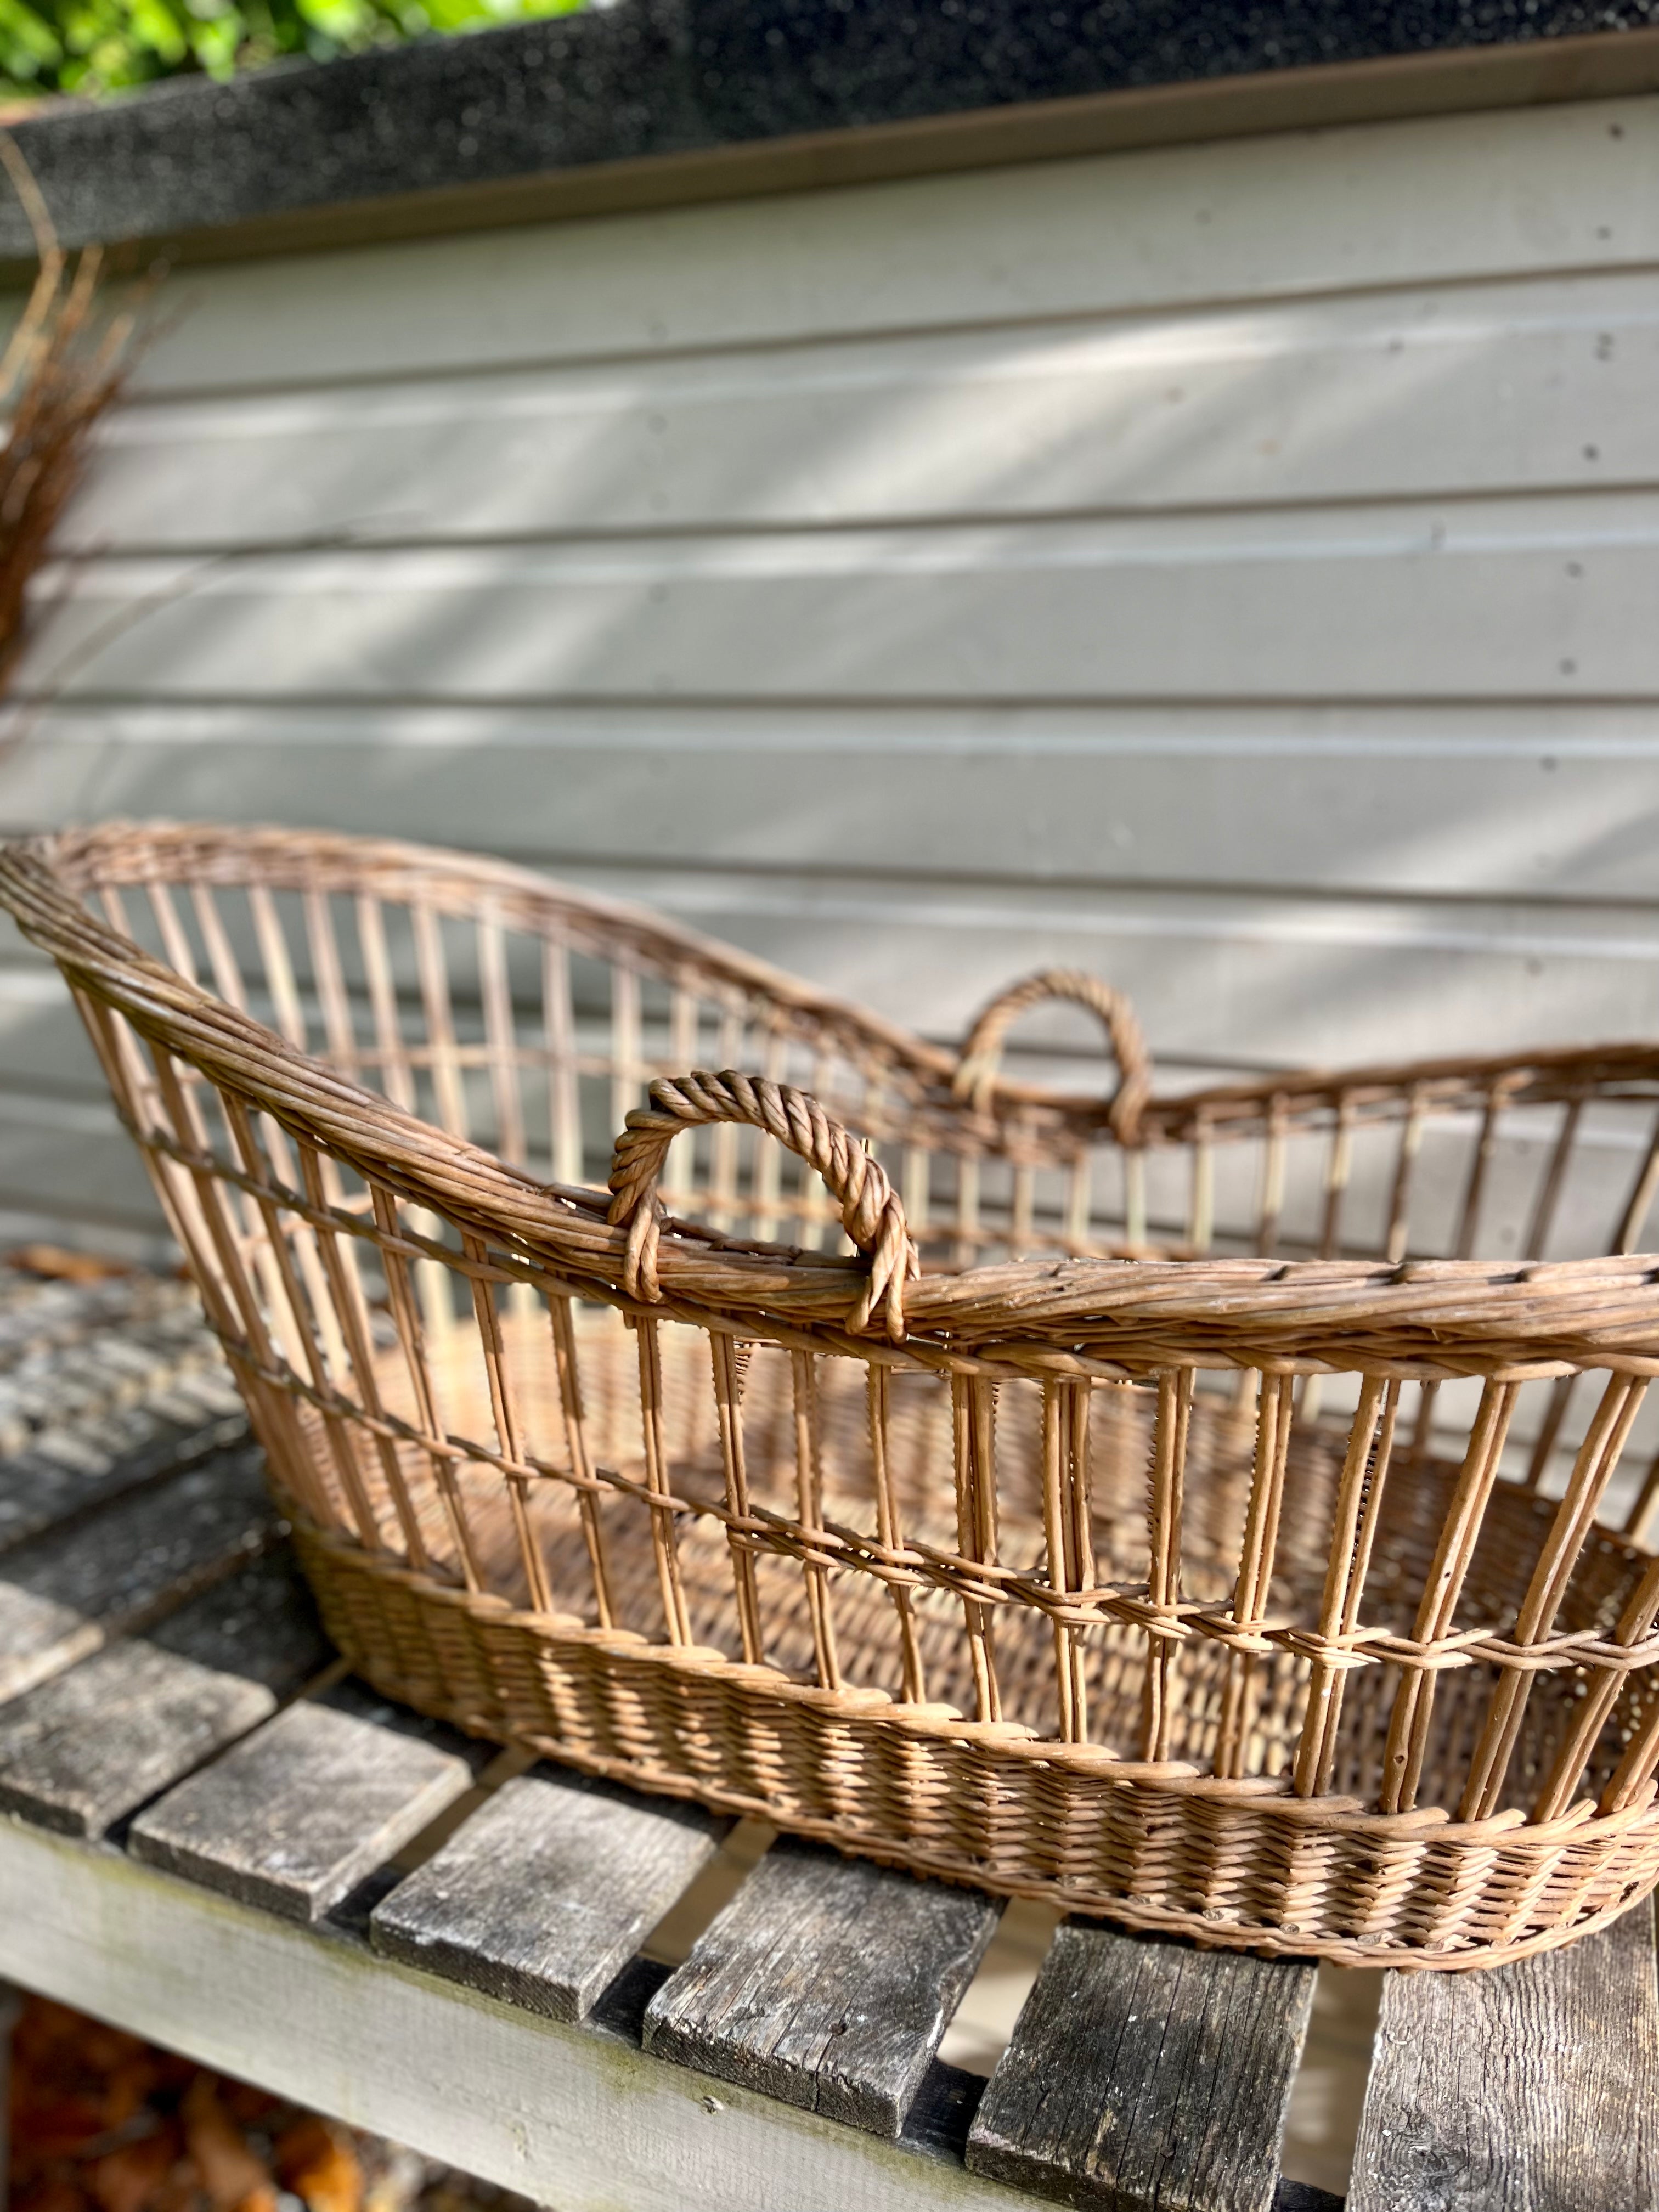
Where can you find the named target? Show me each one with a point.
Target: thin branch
(22, 341)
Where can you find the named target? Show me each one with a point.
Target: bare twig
(21, 344)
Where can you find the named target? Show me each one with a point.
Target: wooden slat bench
(208, 1837)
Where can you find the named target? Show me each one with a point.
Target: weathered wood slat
(66, 1592)
(545, 1892)
(362, 1702)
(826, 1982)
(295, 1816)
(83, 1749)
(1534, 2088)
(1147, 2073)
(49, 1318)
(260, 1623)
(116, 1451)
(103, 1386)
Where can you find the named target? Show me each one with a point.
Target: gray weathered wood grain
(545, 1892)
(942, 2112)
(64, 1593)
(557, 2114)
(364, 1702)
(260, 1623)
(826, 1982)
(1143, 2074)
(72, 1470)
(142, 1553)
(1534, 2088)
(295, 1816)
(82, 1749)
(52, 1326)
(103, 1386)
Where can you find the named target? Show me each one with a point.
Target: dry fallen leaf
(124, 2181)
(234, 2180)
(317, 2161)
(56, 1259)
(104, 2123)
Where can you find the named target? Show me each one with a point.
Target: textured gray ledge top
(653, 77)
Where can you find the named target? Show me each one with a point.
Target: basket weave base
(1019, 1818)
(1088, 1826)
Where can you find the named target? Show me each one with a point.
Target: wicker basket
(1129, 1520)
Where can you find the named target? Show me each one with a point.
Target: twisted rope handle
(976, 1071)
(870, 1209)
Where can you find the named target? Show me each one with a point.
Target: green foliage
(97, 47)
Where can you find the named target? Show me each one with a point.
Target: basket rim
(324, 860)
(1122, 1317)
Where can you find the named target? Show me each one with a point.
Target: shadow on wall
(1285, 663)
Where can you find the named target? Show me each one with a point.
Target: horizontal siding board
(1220, 977)
(1484, 196)
(86, 1184)
(54, 1169)
(1320, 982)
(43, 1047)
(1483, 600)
(1493, 387)
(1507, 803)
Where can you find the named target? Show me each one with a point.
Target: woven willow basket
(1150, 1505)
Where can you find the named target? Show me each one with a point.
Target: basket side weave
(1298, 1603)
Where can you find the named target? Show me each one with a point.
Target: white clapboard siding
(1231, 569)
(1230, 976)
(1521, 802)
(1536, 387)
(1482, 599)
(1567, 189)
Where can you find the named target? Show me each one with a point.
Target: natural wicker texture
(1284, 1583)
(870, 1211)
(975, 1079)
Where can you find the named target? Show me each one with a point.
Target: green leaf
(100, 47)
